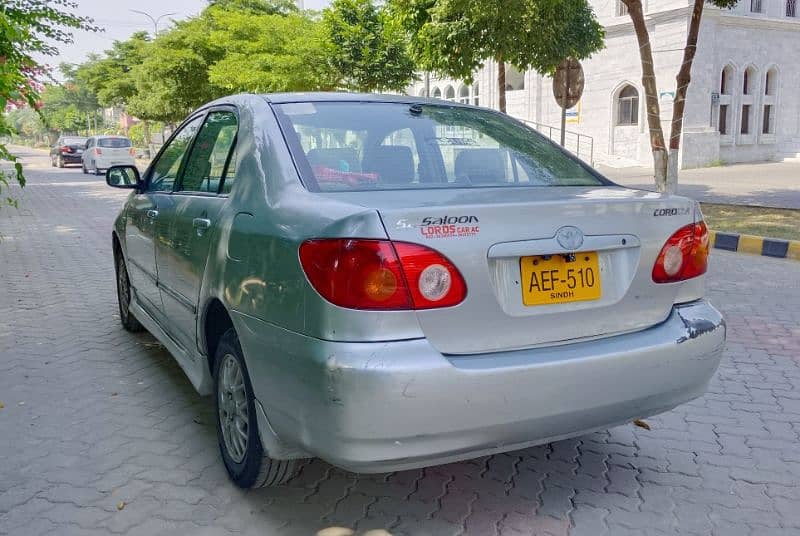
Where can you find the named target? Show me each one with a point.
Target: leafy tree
(69, 106)
(172, 79)
(27, 28)
(269, 53)
(263, 7)
(455, 37)
(666, 161)
(26, 123)
(110, 76)
(366, 47)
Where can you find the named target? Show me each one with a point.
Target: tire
(127, 320)
(83, 167)
(52, 162)
(247, 464)
(60, 162)
(97, 170)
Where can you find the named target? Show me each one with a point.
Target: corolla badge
(570, 238)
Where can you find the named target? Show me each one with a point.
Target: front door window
(166, 168)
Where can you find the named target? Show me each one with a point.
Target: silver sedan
(391, 282)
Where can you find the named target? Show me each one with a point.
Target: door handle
(152, 214)
(201, 223)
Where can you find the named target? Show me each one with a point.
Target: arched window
(748, 81)
(449, 93)
(421, 92)
(791, 8)
(725, 83)
(628, 106)
(437, 93)
(463, 94)
(475, 94)
(771, 82)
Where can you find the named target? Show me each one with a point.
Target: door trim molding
(178, 297)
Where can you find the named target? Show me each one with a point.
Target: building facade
(743, 104)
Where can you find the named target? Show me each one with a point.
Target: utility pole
(154, 20)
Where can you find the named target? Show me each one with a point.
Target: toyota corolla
(390, 282)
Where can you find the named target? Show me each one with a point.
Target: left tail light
(381, 274)
(97, 150)
(132, 151)
(684, 255)
(66, 149)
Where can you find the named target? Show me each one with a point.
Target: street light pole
(154, 20)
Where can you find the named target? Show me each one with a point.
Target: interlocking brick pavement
(97, 419)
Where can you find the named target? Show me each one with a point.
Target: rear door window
(114, 143)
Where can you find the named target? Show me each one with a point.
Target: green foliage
(262, 7)
(366, 47)
(455, 37)
(172, 79)
(269, 53)
(110, 76)
(28, 28)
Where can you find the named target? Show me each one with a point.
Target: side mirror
(123, 177)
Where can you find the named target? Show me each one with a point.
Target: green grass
(759, 221)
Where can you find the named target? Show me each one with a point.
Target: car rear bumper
(105, 163)
(71, 158)
(375, 407)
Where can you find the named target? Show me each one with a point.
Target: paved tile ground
(96, 419)
(771, 184)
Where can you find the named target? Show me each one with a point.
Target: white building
(743, 104)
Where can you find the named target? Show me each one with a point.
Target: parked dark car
(67, 150)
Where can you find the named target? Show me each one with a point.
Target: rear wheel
(60, 162)
(237, 427)
(96, 169)
(128, 321)
(83, 167)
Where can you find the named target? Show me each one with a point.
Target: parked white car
(102, 152)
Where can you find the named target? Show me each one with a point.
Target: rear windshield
(387, 146)
(114, 142)
(73, 141)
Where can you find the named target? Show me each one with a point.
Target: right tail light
(381, 274)
(684, 255)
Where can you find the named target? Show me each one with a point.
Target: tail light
(97, 150)
(381, 275)
(684, 256)
(66, 149)
(132, 151)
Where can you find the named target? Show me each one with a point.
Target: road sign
(567, 88)
(568, 83)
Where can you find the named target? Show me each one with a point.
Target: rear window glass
(73, 141)
(387, 146)
(114, 142)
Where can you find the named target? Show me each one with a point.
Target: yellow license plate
(548, 279)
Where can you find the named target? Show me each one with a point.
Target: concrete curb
(756, 245)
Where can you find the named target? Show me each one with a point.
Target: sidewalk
(769, 184)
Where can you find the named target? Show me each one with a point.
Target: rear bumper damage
(375, 407)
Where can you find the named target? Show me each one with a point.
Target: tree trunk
(501, 82)
(683, 79)
(660, 159)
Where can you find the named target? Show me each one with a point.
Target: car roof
(339, 96)
(332, 96)
(106, 136)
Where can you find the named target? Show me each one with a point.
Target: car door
(143, 217)
(190, 221)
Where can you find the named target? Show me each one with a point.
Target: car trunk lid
(489, 234)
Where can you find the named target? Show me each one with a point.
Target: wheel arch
(215, 321)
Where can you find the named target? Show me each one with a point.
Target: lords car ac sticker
(449, 226)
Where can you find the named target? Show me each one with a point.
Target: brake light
(132, 151)
(66, 149)
(684, 255)
(97, 150)
(380, 274)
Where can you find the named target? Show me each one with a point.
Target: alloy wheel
(233, 412)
